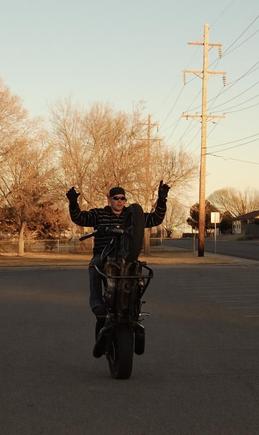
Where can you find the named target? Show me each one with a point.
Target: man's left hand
(163, 190)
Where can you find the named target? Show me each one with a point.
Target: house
(247, 224)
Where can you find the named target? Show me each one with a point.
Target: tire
(135, 221)
(120, 355)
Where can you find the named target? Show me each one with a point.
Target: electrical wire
(213, 128)
(173, 106)
(236, 96)
(241, 43)
(177, 98)
(188, 130)
(244, 108)
(213, 99)
(239, 104)
(251, 70)
(177, 122)
(234, 141)
(222, 13)
(236, 160)
(240, 36)
(226, 51)
(192, 139)
(237, 146)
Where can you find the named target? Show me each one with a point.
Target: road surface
(244, 249)
(199, 375)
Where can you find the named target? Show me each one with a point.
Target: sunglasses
(119, 198)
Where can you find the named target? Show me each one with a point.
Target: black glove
(163, 190)
(72, 196)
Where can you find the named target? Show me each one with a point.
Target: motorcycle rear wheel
(121, 350)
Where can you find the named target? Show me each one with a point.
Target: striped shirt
(105, 216)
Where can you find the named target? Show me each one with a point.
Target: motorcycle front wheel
(121, 350)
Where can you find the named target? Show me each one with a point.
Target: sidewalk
(160, 255)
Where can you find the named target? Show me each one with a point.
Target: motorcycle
(125, 280)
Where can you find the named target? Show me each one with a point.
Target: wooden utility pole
(204, 117)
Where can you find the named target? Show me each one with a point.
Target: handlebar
(106, 229)
(87, 235)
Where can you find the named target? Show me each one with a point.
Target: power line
(226, 88)
(239, 104)
(241, 43)
(173, 106)
(234, 141)
(240, 36)
(177, 96)
(251, 70)
(245, 74)
(192, 139)
(244, 108)
(236, 160)
(236, 96)
(222, 12)
(188, 130)
(237, 146)
(225, 52)
(213, 128)
(180, 117)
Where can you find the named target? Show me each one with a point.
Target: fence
(72, 246)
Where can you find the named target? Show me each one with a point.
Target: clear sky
(119, 52)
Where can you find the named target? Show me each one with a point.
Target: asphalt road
(199, 375)
(238, 248)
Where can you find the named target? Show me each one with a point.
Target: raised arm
(156, 217)
(82, 218)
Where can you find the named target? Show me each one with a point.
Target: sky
(123, 53)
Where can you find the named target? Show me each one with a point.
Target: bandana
(116, 191)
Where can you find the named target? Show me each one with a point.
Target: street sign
(215, 217)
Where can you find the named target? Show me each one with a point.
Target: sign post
(215, 219)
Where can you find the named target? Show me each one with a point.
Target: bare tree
(99, 148)
(24, 183)
(175, 216)
(12, 116)
(235, 202)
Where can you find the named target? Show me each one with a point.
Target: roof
(252, 215)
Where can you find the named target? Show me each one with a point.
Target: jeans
(96, 293)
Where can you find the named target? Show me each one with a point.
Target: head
(117, 199)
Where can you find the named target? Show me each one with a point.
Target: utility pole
(204, 117)
(149, 140)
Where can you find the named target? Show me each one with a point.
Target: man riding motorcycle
(113, 214)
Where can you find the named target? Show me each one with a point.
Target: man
(114, 213)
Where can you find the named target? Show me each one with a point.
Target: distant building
(247, 224)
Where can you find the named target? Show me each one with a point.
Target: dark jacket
(103, 216)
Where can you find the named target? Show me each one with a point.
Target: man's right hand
(72, 195)
(163, 190)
